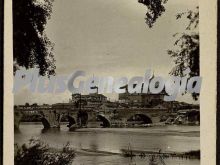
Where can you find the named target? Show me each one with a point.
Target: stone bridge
(106, 117)
(147, 115)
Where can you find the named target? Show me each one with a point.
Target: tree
(186, 52)
(31, 46)
(155, 10)
(27, 104)
(34, 105)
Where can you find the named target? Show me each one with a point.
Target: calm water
(167, 138)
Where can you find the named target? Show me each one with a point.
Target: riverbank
(186, 155)
(141, 153)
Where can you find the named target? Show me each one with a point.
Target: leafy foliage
(38, 153)
(31, 46)
(186, 54)
(155, 10)
(192, 16)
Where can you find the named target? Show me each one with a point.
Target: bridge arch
(105, 121)
(143, 118)
(50, 119)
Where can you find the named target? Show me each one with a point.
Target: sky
(110, 38)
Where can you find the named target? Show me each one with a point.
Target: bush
(38, 153)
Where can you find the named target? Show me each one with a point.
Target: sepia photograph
(107, 82)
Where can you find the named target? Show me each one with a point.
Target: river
(166, 138)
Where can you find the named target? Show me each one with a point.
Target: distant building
(91, 100)
(31, 109)
(63, 106)
(141, 99)
(90, 97)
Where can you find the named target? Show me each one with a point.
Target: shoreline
(132, 153)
